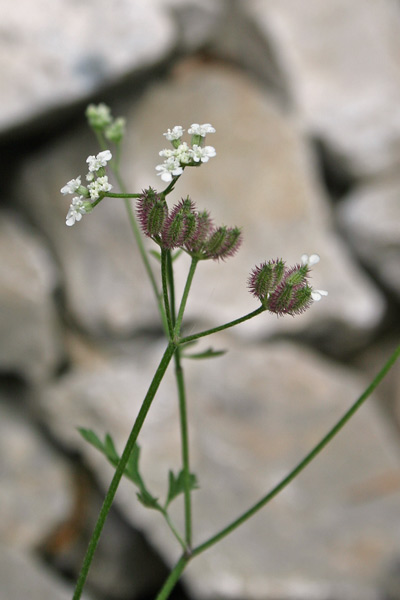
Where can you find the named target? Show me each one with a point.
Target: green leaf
(92, 438)
(209, 353)
(148, 500)
(176, 485)
(109, 449)
(176, 255)
(156, 255)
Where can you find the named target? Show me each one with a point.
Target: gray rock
(370, 216)
(253, 415)
(105, 285)
(263, 179)
(340, 60)
(54, 55)
(29, 327)
(35, 493)
(24, 577)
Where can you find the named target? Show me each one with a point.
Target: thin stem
(185, 294)
(196, 336)
(121, 467)
(170, 187)
(179, 376)
(171, 285)
(184, 447)
(306, 460)
(173, 529)
(164, 278)
(112, 195)
(142, 251)
(173, 578)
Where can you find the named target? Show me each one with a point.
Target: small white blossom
(96, 162)
(100, 185)
(310, 260)
(72, 186)
(203, 154)
(170, 168)
(90, 176)
(167, 152)
(316, 295)
(174, 134)
(184, 154)
(76, 210)
(202, 130)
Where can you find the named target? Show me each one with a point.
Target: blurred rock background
(305, 98)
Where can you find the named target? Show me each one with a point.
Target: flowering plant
(280, 289)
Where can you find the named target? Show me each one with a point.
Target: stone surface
(23, 577)
(370, 217)
(262, 179)
(29, 327)
(331, 534)
(104, 281)
(53, 54)
(35, 492)
(341, 60)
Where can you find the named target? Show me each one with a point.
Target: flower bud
(98, 116)
(282, 290)
(152, 211)
(264, 279)
(116, 130)
(223, 242)
(180, 226)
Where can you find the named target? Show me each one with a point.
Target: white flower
(316, 295)
(76, 210)
(167, 152)
(170, 168)
(310, 260)
(202, 130)
(174, 134)
(203, 154)
(96, 162)
(184, 154)
(100, 185)
(72, 186)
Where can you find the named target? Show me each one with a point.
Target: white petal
(313, 260)
(316, 295)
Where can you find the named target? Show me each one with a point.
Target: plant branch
(306, 460)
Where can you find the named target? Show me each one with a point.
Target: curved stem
(306, 460)
(196, 336)
(121, 467)
(173, 578)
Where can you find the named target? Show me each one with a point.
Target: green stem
(170, 187)
(164, 279)
(306, 460)
(185, 294)
(171, 285)
(111, 195)
(184, 447)
(196, 336)
(173, 578)
(182, 414)
(173, 529)
(121, 467)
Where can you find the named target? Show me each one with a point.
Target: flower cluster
(185, 227)
(100, 119)
(98, 185)
(285, 290)
(182, 155)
